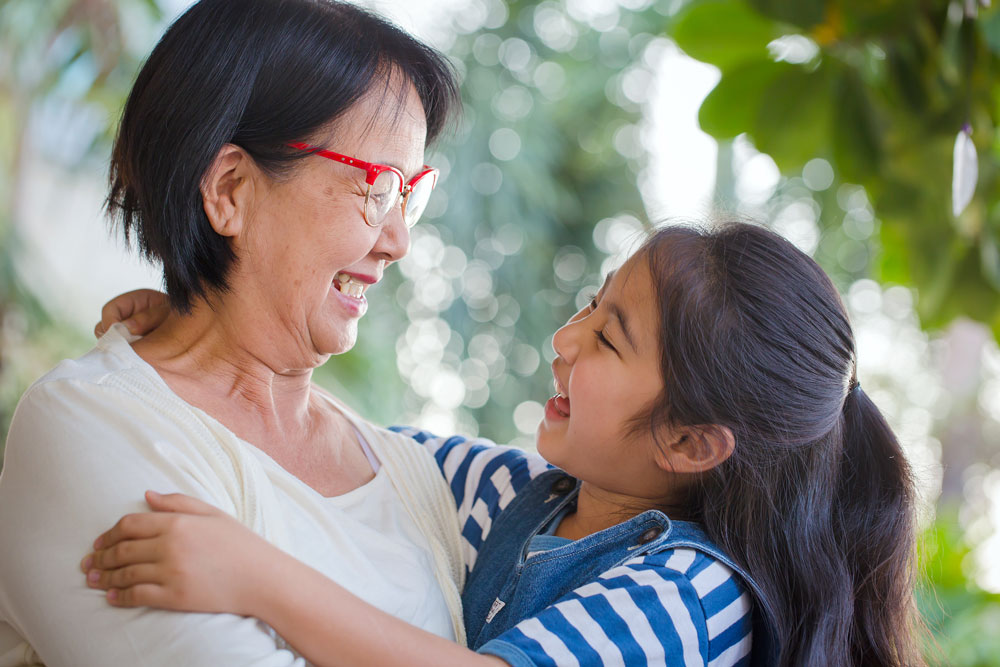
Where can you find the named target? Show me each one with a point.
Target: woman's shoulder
(112, 357)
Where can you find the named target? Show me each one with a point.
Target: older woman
(270, 156)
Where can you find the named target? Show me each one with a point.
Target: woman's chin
(334, 340)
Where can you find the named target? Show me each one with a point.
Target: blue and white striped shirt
(677, 606)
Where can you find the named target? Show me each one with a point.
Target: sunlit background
(581, 128)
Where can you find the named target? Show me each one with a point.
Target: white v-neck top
(80, 453)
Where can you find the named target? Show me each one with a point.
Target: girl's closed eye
(602, 339)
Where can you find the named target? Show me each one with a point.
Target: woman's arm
(78, 456)
(189, 556)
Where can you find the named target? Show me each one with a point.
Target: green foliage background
(884, 89)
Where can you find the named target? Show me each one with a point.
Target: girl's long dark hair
(817, 500)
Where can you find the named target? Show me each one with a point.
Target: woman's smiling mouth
(347, 284)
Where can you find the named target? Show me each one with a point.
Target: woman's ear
(695, 449)
(227, 190)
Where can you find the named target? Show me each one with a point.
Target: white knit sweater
(92, 435)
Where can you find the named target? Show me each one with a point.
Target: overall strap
(684, 534)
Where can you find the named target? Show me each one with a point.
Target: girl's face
(607, 371)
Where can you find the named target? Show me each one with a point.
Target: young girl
(719, 490)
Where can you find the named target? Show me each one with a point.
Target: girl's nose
(565, 341)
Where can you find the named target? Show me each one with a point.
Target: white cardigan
(92, 435)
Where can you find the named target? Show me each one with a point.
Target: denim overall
(504, 587)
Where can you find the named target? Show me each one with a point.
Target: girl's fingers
(126, 552)
(126, 577)
(141, 595)
(144, 321)
(128, 305)
(181, 503)
(133, 527)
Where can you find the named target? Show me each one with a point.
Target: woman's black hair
(816, 500)
(258, 74)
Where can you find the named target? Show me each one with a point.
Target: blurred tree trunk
(962, 441)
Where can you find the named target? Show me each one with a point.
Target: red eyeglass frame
(372, 170)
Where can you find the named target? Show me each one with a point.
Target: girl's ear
(695, 449)
(227, 190)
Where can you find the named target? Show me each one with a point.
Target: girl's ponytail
(816, 500)
(873, 509)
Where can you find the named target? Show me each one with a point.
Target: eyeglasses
(386, 187)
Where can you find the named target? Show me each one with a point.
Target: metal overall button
(563, 485)
(650, 535)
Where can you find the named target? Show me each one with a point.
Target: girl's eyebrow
(607, 280)
(619, 314)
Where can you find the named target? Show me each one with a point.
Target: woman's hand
(140, 310)
(185, 556)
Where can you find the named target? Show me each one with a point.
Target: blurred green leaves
(879, 89)
(963, 618)
(60, 57)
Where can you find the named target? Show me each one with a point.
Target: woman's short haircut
(258, 74)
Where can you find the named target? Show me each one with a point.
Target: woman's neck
(256, 380)
(234, 370)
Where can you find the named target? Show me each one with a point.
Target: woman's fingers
(180, 503)
(125, 577)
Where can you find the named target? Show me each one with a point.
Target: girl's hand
(140, 310)
(185, 556)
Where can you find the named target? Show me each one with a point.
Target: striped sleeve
(483, 476)
(678, 607)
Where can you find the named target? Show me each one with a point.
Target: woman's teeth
(349, 286)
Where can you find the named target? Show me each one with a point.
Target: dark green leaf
(989, 26)
(724, 33)
(803, 13)
(733, 105)
(857, 147)
(793, 121)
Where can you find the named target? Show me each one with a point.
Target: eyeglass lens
(383, 194)
(417, 200)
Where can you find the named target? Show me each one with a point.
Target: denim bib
(506, 586)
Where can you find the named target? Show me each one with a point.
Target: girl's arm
(190, 556)
(140, 310)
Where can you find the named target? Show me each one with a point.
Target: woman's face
(306, 232)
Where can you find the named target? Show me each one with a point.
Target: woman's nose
(394, 237)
